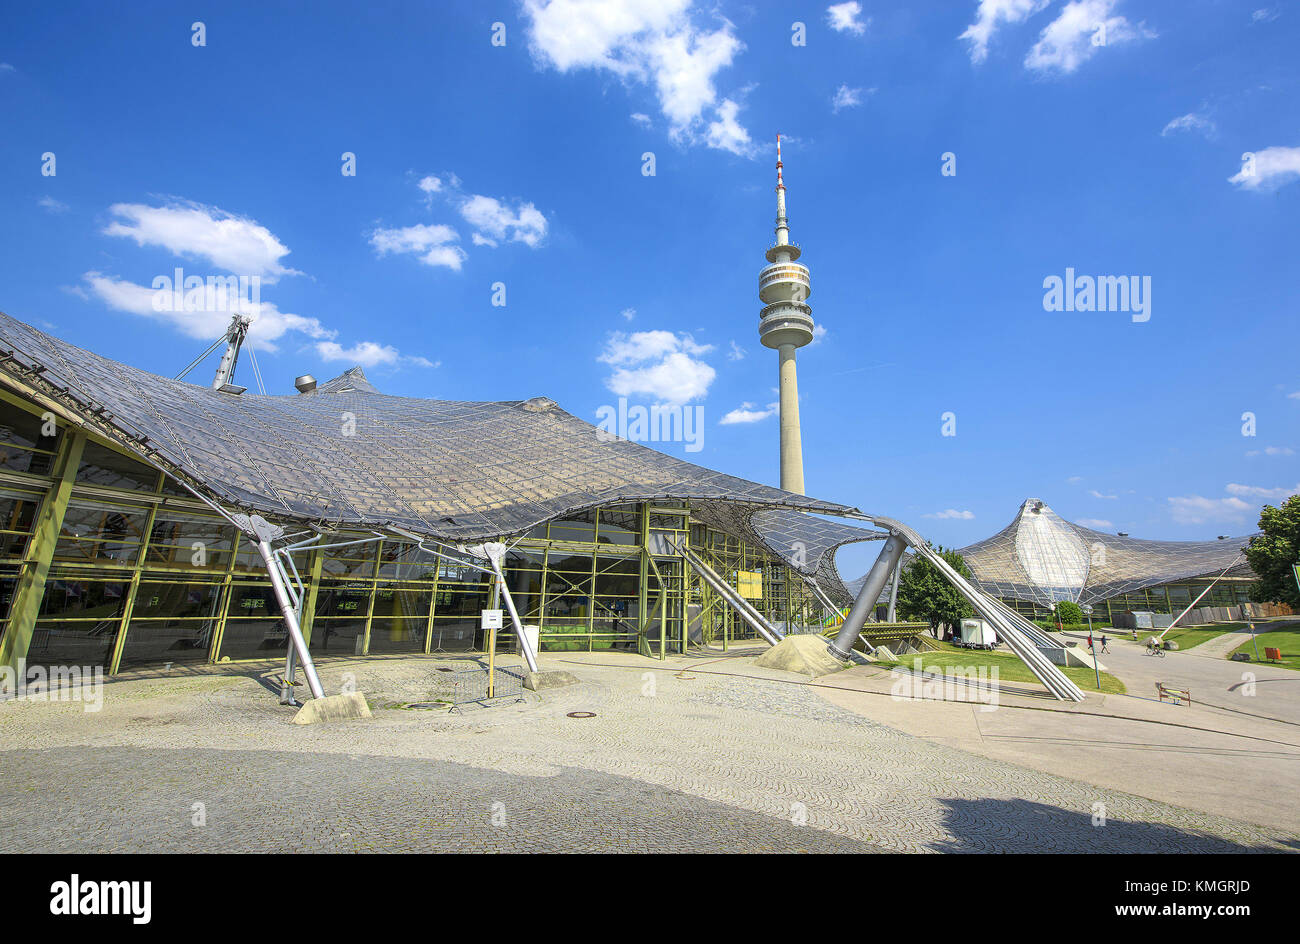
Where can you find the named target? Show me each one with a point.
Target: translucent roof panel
(1042, 558)
(345, 454)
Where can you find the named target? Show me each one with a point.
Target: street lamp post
(1096, 671)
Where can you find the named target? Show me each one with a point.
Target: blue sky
(522, 164)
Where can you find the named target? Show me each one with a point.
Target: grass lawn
(1288, 640)
(1008, 664)
(1189, 636)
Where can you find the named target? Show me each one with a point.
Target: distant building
(1040, 559)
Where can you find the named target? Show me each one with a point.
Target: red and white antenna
(780, 184)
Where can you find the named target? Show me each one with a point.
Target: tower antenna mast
(786, 324)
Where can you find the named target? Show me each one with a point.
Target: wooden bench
(1177, 695)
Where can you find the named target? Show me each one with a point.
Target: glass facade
(143, 576)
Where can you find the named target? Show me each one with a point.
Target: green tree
(924, 593)
(1272, 553)
(1069, 612)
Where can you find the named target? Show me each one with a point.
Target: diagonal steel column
(893, 592)
(263, 531)
(890, 555)
(742, 606)
(495, 552)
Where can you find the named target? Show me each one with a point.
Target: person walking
(1103, 643)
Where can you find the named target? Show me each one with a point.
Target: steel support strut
(263, 532)
(290, 613)
(494, 553)
(890, 555)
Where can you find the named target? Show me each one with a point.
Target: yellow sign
(750, 584)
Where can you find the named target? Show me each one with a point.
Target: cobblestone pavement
(669, 763)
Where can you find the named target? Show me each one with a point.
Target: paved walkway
(1199, 756)
(1220, 647)
(1248, 688)
(692, 756)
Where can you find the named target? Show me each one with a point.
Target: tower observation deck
(786, 324)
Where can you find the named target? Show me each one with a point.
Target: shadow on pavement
(1022, 826)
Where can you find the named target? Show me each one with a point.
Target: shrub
(1069, 612)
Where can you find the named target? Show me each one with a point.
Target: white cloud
(54, 206)
(1194, 509)
(726, 134)
(641, 118)
(429, 186)
(1074, 479)
(1096, 494)
(1255, 491)
(1271, 451)
(658, 364)
(737, 353)
(819, 334)
(211, 320)
(987, 18)
(1095, 523)
(843, 18)
(650, 42)
(952, 513)
(1190, 122)
(846, 97)
(1083, 27)
(1274, 167)
(492, 218)
(368, 354)
(233, 243)
(1265, 15)
(6, 67)
(641, 346)
(237, 244)
(432, 243)
(1293, 396)
(492, 221)
(628, 314)
(745, 413)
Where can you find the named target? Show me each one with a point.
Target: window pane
(254, 638)
(337, 637)
(185, 540)
(455, 635)
(406, 603)
(55, 642)
(619, 527)
(399, 561)
(83, 599)
(394, 634)
(343, 600)
(17, 513)
(159, 641)
(106, 534)
(23, 445)
(103, 466)
(251, 601)
(461, 602)
(174, 599)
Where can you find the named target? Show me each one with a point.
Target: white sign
(491, 619)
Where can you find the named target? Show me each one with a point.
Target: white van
(976, 634)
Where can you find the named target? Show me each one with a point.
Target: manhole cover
(581, 714)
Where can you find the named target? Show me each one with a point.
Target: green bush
(1069, 612)
(553, 639)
